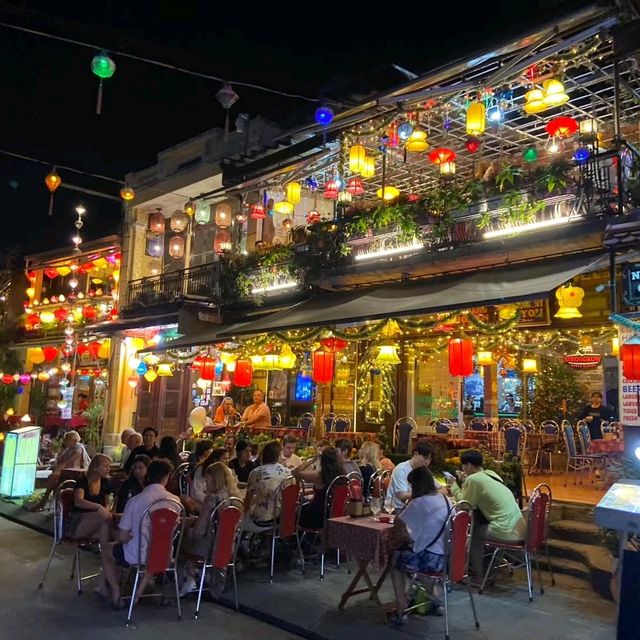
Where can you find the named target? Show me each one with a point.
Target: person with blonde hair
(368, 463)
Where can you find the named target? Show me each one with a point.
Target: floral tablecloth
(363, 538)
(612, 447)
(492, 440)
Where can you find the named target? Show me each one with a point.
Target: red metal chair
(379, 483)
(457, 540)
(335, 506)
(177, 483)
(285, 524)
(537, 528)
(225, 525)
(161, 528)
(62, 503)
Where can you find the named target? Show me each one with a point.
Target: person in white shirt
(128, 543)
(399, 487)
(288, 458)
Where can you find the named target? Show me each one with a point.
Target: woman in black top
(242, 464)
(169, 450)
(135, 483)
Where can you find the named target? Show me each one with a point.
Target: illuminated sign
(632, 283)
(583, 360)
(19, 462)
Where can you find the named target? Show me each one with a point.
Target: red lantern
(89, 313)
(81, 349)
(257, 212)
(460, 357)
(441, 155)
(208, 368)
(51, 273)
(94, 347)
(322, 371)
(50, 353)
(562, 127)
(33, 319)
(61, 314)
(222, 242)
(473, 145)
(355, 187)
(313, 216)
(243, 374)
(331, 190)
(413, 197)
(7, 379)
(197, 363)
(630, 356)
(334, 344)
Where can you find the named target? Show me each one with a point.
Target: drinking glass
(387, 506)
(376, 506)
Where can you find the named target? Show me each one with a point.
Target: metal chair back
(159, 530)
(569, 441)
(478, 424)
(514, 440)
(443, 426)
(584, 435)
(403, 430)
(550, 428)
(337, 497)
(328, 420)
(225, 522)
(342, 423)
(276, 419)
(379, 483)
(538, 517)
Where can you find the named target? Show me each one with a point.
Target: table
(609, 447)
(538, 442)
(492, 440)
(363, 539)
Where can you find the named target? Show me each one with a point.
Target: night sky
(48, 93)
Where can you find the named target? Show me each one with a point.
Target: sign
(219, 388)
(534, 313)
(19, 462)
(66, 413)
(631, 278)
(583, 360)
(629, 390)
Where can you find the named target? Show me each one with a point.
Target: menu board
(620, 507)
(19, 462)
(629, 391)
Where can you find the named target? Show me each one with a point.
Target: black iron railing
(204, 282)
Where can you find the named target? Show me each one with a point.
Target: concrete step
(571, 511)
(576, 531)
(567, 567)
(592, 555)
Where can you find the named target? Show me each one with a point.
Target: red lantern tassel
(99, 101)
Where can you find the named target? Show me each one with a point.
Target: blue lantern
(218, 369)
(405, 130)
(581, 155)
(324, 115)
(312, 183)
(141, 369)
(494, 113)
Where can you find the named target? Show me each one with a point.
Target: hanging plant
(508, 176)
(553, 177)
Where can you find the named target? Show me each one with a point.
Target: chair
(62, 503)
(224, 523)
(614, 428)
(379, 483)
(443, 426)
(531, 546)
(285, 524)
(342, 423)
(161, 528)
(403, 430)
(515, 438)
(327, 421)
(178, 484)
(575, 461)
(457, 538)
(306, 421)
(550, 428)
(478, 424)
(335, 506)
(276, 419)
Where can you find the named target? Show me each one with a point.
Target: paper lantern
(331, 190)
(35, 355)
(257, 212)
(151, 375)
(323, 364)
(387, 354)
(448, 170)
(417, 142)
(208, 368)
(223, 214)
(47, 317)
(357, 155)
(179, 221)
(284, 207)
(127, 193)
(286, 359)
(141, 369)
(534, 101)
(104, 349)
(460, 357)
(485, 358)
(334, 344)
(554, 93)
(243, 375)
(51, 273)
(176, 246)
(630, 356)
(389, 193)
(472, 145)
(222, 241)
(190, 207)
(164, 369)
(355, 186)
(442, 154)
(50, 353)
(60, 314)
(569, 299)
(529, 365)
(25, 378)
(294, 192)
(203, 214)
(43, 376)
(52, 180)
(475, 119)
(562, 127)
(156, 222)
(7, 378)
(369, 167)
(64, 271)
(89, 313)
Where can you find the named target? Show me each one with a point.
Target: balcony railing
(203, 282)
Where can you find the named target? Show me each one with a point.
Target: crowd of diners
(420, 502)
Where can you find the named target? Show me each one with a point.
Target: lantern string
(157, 63)
(99, 100)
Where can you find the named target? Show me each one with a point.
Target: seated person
(368, 463)
(497, 514)
(169, 451)
(242, 465)
(226, 414)
(312, 514)
(148, 448)
(124, 438)
(198, 486)
(133, 442)
(418, 537)
(343, 449)
(135, 483)
(288, 458)
(385, 463)
(399, 487)
(199, 454)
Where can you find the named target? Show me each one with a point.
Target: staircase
(576, 547)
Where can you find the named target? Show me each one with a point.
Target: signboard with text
(533, 313)
(629, 390)
(631, 279)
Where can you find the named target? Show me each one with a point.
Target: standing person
(257, 414)
(148, 448)
(135, 483)
(343, 449)
(169, 450)
(399, 487)
(225, 414)
(368, 463)
(595, 413)
(497, 515)
(242, 465)
(288, 458)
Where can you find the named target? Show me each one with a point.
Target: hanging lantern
(202, 214)
(554, 93)
(588, 129)
(89, 313)
(323, 364)
(534, 101)
(448, 170)
(581, 155)
(141, 369)
(313, 216)
(569, 299)
(494, 112)
(562, 127)
(190, 207)
(53, 181)
(103, 67)
(355, 186)
(529, 365)
(25, 378)
(257, 212)
(223, 214)
(179, 221)
(475, 119)
(323, 115)
(35, 355)
(50, 353)
(31, 292)
(554, 145)
(132, 381)
(104, 349)
(333, 344)
(331, 190)
(155, 247)
(60, 314)
(345, 197)
(387, 354)
(369, 167)
(156, 222)
(630, 357)
(405, 130)
(417, 141)
(284, 207)
(243, 375)
(151, 375)
(164, 369)
(485, 358)
(176, 246)
(357, 156)
(127, 193)
(615, 346)
(241, 217)
(530, 154)
(294, 192)
(413, 197)
(389, 193)
(43, 376)
(47, 317)
(473, 145)
(208, 368)
(222, 242)
(286, 359)
(442, 154)
(460, 357)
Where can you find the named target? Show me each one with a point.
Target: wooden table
(364, 540)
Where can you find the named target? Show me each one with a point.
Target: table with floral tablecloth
(609, 447)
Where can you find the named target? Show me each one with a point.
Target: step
(596, 557)
(572, 511)
(567, 567)
(576, 531)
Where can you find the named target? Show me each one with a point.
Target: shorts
(422, 562)
(118, 554)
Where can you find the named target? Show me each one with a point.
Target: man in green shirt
(487, 494)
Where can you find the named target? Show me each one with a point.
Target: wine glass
(387, 506)
(376, 506)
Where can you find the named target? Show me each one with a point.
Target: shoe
(188, 586)
(438, 611)
(397, 622)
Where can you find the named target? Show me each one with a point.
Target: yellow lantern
(231, 364)
(101, 263)
(65, 367)
(135, 344)
(127, 193)
(150, 375)
(164, 369)
(615, 346)
(417, 141)
(485, 358)
(448, 170)
(31, 292)
(369, 167)
(47, 317)
(190, 207)
(534, 101)
(283, 207)
(294, 192)
(152, 359)
(63, 271)
(529, 365)
(116, 275)
(35, 355)
(257, 361)
(390, 193)
(569, 299)
(554, 93)
(475, 119)
(287, 358)
(387, 354)
(104, 349)
(357, 158)
(43, 376)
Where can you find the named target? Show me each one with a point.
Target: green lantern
(103, 67)
(530, 154)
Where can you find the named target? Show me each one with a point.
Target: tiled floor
(587, 493)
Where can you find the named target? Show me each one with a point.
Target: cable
(157, 63)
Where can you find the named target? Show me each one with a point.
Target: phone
(449, 476)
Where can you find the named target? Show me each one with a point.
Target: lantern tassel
(99, 100)
(51, 204)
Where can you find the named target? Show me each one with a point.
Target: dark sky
(47, 91)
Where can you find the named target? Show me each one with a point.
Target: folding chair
(328, 420)
(379, 483)
(575, 461)
(177, 483)
(443, 426)
(342, 423)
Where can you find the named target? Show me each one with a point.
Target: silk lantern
(475, 119)
(243, 375)
(630, 356)
(223, 214)
(35, 355)
(179, 221)
(50, 353)
(103, 350)
(369, 168)
(357, 155)
(460, 357)
(208, 368)
(355, 186)
(156, 222)
(417, 142)
(323, 364)
(294, 192)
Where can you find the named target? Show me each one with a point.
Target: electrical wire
(157, 63)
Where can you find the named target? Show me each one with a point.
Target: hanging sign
(218, 388)
(629, 389)
(583, 360)
(631, 277)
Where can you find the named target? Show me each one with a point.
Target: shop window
(202, 245)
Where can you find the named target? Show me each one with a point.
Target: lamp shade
(460, 357)
(203, 214)
(286, 359)
(164, 369)
(179, 221)
(369, 167)
(417, 141)
(294, 192)
(222, 242)
(223, 214)
(569, 299)
(176, 246)
(630, 356)
(562, 127)
(151, 375)
(331, 190)
(257, 212)
(388, 193)
(155, 247)
(485, 358)
(387, 354)
(355, 186)
(442, 154)
(529, 365)
(475, 119)
(534, 101)
(357, 156)
(323, 364)
(448, 169)
(243, 375)
(284, 206)
(554, 93)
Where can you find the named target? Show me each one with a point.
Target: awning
(206, 336)
(493, 286)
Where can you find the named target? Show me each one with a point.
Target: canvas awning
(206, 336)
